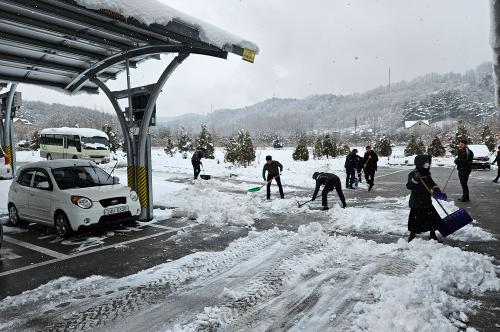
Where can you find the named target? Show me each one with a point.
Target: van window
(24, 179)
(1, 153)
(58, 139)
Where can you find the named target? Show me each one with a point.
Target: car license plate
(115, 210)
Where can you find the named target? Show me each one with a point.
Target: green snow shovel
(255, 189)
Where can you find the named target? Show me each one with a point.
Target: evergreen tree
(184, 143)
(383, 146)
(436, 149)
(344, 149)
(415, 146)
(487, 137)
(204, 140)
(329, 147)
(301, 152)
(247, 151)
(460, 134)
(114, 143)
(318, 148)
(35, 141)
(169, 146)
(239, 149)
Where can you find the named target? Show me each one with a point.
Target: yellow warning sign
(249, 55)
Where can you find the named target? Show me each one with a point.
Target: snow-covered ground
(322, 277)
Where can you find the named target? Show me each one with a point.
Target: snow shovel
(255, 189)
(452, 222)
(299, 204)
(204, 176)
(442, 196)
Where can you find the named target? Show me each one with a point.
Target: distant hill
(433, 96)
(44, 115)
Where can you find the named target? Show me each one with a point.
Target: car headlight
(82, 202)
(133, 195)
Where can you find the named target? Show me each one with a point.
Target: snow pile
(390, 216)
(275, 280)
(424, 300)
(152, 11)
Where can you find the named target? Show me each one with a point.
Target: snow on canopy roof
(153, 11)
(479, 150)
(84, 132)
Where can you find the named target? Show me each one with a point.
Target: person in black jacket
(196, 161)
(497, 160)
(370, 159)
(330, 181)
(423, 216)
(464, 166)
(350, 168)
(274, 169)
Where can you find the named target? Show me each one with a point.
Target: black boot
(325, 208)
(370, 186)
(465, 198)
(411, 237)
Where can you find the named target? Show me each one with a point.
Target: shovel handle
(449, 177)
(430, 192)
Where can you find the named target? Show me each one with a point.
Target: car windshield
(95, 142)
(81, 177)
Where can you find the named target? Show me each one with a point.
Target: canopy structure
(77, 46)
(64, 43)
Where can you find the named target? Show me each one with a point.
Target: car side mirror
(43, 185)
(116, 180)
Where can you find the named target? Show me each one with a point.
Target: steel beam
(142, 51)
(10, 78)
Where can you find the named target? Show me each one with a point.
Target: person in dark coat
(329, 181)
(464, 166)
(497, 160)
(350, 168)
(359, 166)
(196, 161)
(370, 166)
(423, 216)
(274, 169)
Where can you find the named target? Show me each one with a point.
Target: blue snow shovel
(452, 222)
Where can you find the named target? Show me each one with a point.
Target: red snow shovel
(452, 222)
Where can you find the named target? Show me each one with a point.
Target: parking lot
(33, 256)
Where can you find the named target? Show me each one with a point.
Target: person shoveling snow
(330, 181)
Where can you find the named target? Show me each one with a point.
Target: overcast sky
(311, 47)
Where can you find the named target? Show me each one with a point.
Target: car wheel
(49, 156)
(74, 157)
(62, 225)
(14, 216)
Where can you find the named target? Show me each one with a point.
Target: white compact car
(5, 169)
(68, 195)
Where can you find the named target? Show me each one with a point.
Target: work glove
(312, 199)
(436, 190)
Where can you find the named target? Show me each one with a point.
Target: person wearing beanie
(330, 181)
(274, 169)
(423, 216)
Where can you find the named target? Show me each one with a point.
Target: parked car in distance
(5, 169)
(69, 195)
(481, 156)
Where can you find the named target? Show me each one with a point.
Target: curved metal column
(143, 177)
